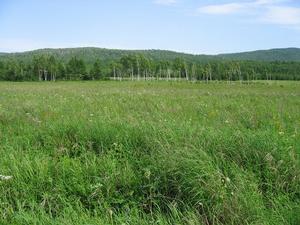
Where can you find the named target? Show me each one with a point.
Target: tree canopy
(142, 66)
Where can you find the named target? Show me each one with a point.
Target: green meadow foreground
(150, 153)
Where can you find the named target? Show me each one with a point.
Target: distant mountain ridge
(90, 54)
(279, 54)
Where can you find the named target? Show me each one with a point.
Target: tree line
(140, 67)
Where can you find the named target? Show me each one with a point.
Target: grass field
(150, 153)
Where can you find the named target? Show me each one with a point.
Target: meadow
(109, 152)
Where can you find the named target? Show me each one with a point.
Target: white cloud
(221, 8)
(282, 15)
(268, 2)
(165, 2)
(18, 44)
(266, 11)
(235, 7)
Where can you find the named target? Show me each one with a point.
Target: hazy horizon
(212, 54)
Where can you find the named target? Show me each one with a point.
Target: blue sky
(193, 26)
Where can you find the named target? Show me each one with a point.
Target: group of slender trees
(139, 67)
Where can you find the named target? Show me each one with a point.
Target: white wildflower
(269, 157)
(200, 204)
(2, 177)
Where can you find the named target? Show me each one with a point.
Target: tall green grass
(150, 153)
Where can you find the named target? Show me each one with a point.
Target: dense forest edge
(101, 64)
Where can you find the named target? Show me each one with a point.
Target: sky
(192, 26)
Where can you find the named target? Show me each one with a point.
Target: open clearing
(149, 153)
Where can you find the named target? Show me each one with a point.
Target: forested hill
(284, 54)
(99, 63)
(90, 54)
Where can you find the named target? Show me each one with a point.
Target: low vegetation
(150, 153)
